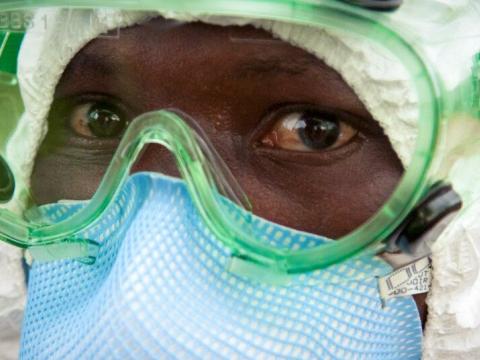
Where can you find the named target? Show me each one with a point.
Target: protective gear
(368, 62)
(390, 70)
(171, 294)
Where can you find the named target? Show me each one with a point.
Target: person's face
(300, 142)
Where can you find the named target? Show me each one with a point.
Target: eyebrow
(106, 65)
(84, 67)
(276, 65)
(101, 63)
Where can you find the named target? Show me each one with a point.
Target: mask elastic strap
(413, 241)
(411, 279)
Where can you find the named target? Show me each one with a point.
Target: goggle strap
(432, 214)
(377, 5)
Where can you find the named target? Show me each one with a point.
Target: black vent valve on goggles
(378, 5)
(7, 183)
(421, 227)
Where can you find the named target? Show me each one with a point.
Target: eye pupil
(318, 130)
(105, 121)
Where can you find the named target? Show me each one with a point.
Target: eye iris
(318, 131)
(105, 121)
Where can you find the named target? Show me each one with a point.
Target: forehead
(178, 54)
(168, 42)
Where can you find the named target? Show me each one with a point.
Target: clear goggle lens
(287, 133)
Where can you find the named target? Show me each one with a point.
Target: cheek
(57, 178)
(328, 200)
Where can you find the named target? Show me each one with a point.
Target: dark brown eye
(101, 120)
(318, 131)
(309, 130)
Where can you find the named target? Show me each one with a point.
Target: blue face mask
(161, 288)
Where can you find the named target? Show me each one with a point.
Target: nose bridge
(156, 158)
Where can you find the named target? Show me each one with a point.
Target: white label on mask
(414, 278)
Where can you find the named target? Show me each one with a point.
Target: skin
(238, 84)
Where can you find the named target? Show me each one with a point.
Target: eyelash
(360, 123)
(314, 158)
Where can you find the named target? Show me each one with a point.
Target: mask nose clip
(7, 182)
(426, 221)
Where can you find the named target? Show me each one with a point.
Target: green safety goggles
(424, 48)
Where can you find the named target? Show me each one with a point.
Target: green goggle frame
(202, 169)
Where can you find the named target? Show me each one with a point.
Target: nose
(156, 158)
